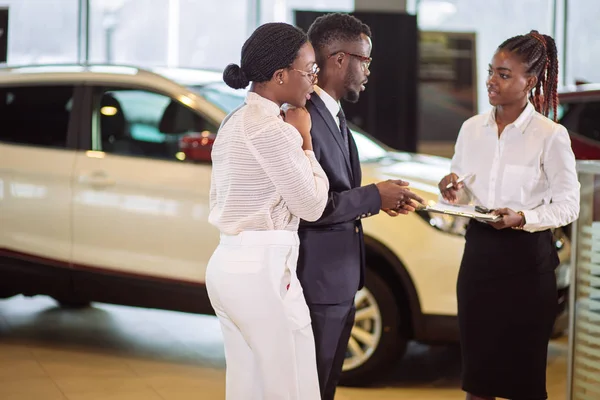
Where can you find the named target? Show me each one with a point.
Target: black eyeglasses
(364, 60)
(312, 75)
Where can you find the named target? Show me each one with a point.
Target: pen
(459, 180)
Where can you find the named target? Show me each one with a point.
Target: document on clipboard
(466, 211)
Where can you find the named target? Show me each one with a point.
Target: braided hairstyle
(271, 47)
(539, 53)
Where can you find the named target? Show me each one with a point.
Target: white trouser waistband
(254, 238)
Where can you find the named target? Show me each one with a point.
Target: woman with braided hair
(265, 177)
(523, 169)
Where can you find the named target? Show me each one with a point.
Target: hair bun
(235, 77)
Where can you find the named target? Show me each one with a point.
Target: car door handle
(97, 179)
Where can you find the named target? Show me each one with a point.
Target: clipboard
(466, 211)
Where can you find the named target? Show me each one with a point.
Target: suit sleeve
(349, 205)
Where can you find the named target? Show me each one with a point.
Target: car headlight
(445, 223)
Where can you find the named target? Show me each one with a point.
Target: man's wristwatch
(523, 221)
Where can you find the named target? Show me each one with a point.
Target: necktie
(344, 130)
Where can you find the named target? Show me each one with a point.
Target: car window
(589, 121)
(570, 115)
(582, 118)
(36, 115)
(224, 97)
(560, 111)
(141, 123)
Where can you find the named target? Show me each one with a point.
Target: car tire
(72, 303)
(379, 318)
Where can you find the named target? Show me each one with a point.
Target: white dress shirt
(530, 168)
(261, 177)
(332, 106)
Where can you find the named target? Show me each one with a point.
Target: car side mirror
(197, 147)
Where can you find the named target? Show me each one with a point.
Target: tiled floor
(118, 353)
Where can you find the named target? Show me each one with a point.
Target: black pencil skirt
(507, 305)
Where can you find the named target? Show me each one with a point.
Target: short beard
(350, 96)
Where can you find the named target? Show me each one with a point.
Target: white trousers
(269, 343)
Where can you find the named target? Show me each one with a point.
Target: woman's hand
(450, 194)
(510, 219)
(300, 119)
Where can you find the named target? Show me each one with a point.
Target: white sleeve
(560, 170)
(296, 174)
(457, 164)
(457, 159)
(213, 190)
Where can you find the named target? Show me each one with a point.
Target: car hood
(423, 172)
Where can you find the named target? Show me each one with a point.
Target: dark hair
(539, 53)
(335, 27)
(271, 47)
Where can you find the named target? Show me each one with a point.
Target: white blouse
(261, 177)
(530, 168)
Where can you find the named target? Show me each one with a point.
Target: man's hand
(404, 210)
(396, 198)
(510, 219)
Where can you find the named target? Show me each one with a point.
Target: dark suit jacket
(331, 263)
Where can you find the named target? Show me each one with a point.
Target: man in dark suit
(332, 257)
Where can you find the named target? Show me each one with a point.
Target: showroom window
(42, 31)
(145, 124)
(36, 115)
(583, 46)
(174, 33)
(121, 33)
(283, 10)
(209, 34)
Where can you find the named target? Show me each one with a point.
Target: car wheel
(72, 303)
(377, 337)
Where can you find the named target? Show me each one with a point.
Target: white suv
(104, 184)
